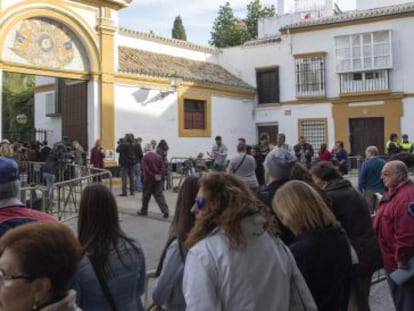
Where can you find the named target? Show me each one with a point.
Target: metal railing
(63, 198)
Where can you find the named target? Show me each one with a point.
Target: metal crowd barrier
(63, 198)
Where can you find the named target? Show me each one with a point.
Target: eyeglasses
(200, 202)
(5, 277)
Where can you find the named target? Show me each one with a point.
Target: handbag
(105, 288)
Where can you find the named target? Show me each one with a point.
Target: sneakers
(165, 215)
(123, 195)
(142, 213)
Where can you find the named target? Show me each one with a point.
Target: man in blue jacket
(370, 181)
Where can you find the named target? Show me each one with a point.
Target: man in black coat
(303, 151)
(127, 160)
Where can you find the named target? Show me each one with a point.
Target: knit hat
(9, 170)
(279, 164)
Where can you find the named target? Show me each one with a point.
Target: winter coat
(324, 258)
(351, 210)
(394, 224)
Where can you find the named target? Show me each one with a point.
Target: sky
(197, 15)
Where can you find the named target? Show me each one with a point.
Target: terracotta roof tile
(160, 65)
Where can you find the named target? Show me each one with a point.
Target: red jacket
(395, 226)
(152, 165)
(13, 216)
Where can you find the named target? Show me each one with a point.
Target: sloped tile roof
(354, 16)
(141, 62)
(165, 40)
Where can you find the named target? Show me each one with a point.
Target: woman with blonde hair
(321, 249)
(234, 263)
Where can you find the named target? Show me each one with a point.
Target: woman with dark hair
(340, 156)
(112, 271)
(351, 210)
(320, 247)
(168, 290)
(234, 263)
(37, 262)
(324, 154)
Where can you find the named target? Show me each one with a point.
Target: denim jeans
(137, 175)
(50, 180)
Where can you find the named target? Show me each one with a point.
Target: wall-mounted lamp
(175, 82)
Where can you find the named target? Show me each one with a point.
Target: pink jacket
(395, 226)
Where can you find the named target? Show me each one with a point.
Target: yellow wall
(391, 111)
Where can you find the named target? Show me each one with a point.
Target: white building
(326, 75)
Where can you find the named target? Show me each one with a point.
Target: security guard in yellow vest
(392, 145)
(406, 145)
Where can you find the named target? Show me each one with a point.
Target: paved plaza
(153, 229)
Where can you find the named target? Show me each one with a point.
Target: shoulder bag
(105, 288)
(238, 166)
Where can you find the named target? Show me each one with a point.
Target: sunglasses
(200, 202)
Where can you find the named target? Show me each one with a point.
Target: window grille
(310, 76)
(314, 130)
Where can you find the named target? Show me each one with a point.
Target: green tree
(227, 29)
(255, 11)
(178, 31)
(18, 98)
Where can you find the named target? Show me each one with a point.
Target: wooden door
(73, 98)
(272, 130)
(364, 132)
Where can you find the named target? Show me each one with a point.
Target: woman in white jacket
(234, 263)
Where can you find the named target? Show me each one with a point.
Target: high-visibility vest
(406, 146)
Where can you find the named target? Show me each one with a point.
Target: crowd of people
(293, 235)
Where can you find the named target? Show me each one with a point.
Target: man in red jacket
(394, 224)
(152, 167)
(12, 211)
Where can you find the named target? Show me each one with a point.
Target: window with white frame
(314, 130)
(363, 61)
(363, 52)
(310, 76)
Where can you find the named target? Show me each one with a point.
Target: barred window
(194, 114)
(363, 52)
(314, 130)
(310, 76)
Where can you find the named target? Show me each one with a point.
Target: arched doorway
(55, 51)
